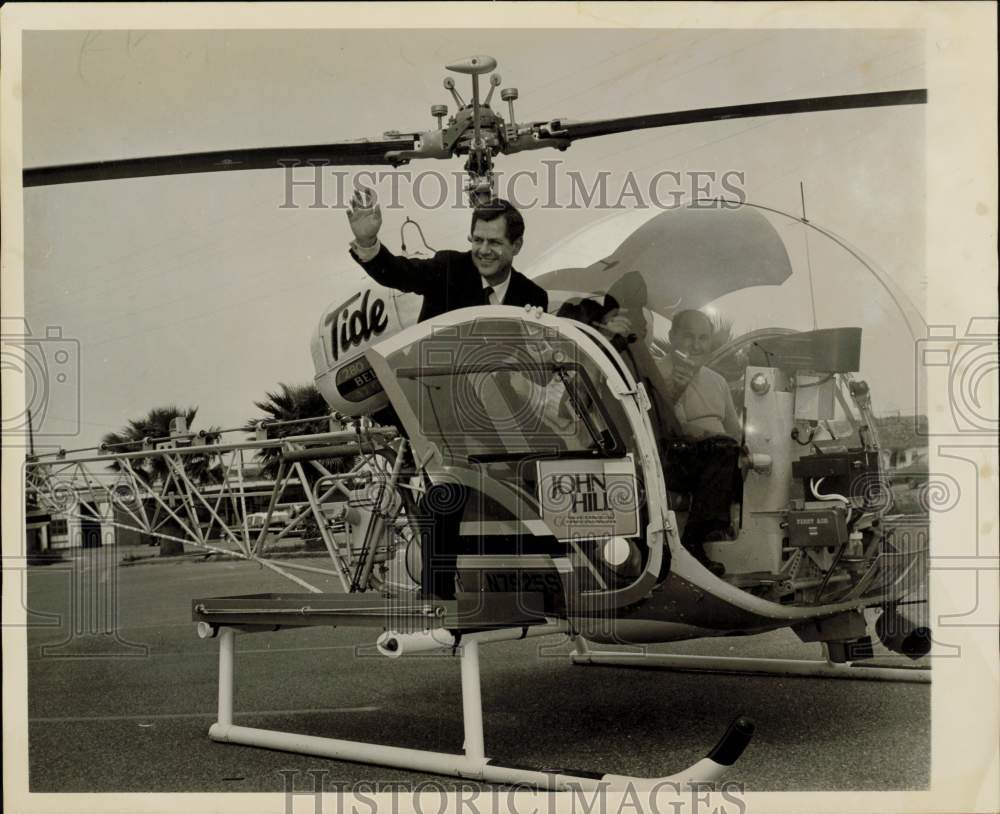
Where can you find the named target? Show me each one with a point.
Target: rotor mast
(480, 186)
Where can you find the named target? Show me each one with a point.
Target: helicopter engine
(811, 504)
(371, 509)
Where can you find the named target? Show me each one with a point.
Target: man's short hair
(500, 208)
(689, 313)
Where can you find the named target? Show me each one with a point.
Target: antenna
(812, 289)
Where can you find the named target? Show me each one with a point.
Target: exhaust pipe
(903, 636)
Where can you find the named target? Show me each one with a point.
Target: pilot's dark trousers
(709, 470)
(440, 514)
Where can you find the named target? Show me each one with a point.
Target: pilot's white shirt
(706, 407)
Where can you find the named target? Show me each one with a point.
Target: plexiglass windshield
(489, 390)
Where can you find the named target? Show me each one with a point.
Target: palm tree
(722, 331)
(154, 471)
(733, 365)
(294, 402)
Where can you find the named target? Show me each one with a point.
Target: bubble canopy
(755, 271)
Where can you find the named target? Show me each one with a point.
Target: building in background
(904, 442)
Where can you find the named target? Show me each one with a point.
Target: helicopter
(563, 526)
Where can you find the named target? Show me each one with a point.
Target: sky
(203, 290)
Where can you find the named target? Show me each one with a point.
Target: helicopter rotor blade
(348, 153)
(571, 131)
(400, 148)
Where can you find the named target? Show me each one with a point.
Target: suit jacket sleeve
(527, 293)
(421, 276)
(543, 298)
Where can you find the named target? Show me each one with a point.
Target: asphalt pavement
(122, 693)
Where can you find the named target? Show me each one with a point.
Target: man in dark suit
(450, 280)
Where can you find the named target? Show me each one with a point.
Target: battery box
(817, 527)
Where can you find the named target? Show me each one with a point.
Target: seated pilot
(704, 458)
(702, 401)
(694, 418)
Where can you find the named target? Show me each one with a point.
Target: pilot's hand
(616, 323)
(365, 216)
(683, 370)
(533, 311)
(673, 389)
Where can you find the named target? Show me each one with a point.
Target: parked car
(279, 520)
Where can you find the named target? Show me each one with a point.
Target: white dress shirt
(365, 254)
(499, 290)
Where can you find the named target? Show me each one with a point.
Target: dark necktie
(487, 293)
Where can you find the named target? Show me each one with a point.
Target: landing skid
(472, 763)
(731, 664)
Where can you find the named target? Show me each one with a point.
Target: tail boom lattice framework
(214, 513)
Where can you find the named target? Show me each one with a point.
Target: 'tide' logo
(351, 328)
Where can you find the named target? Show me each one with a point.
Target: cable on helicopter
(402, 235)
(808, 441)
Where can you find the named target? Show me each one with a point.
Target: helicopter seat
(680, 502)
(704, 481)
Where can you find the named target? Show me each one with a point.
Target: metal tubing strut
(227, 652)
(473, 763)
(277, 491)
(321, 525)
(370, 435)
(731, 664)
(472, 704)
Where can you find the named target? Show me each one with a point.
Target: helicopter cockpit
(536, 426)
(552, 452)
